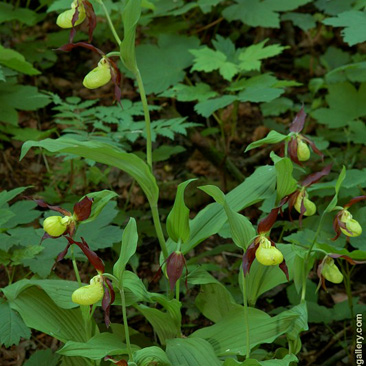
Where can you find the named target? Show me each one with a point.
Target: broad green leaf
(189, 93)
(128, 248)
(39, 312)
(191, 352)
(164, 152)
(177, 224)
(353, 21)
(299, 325)
(12, 327)
(301, 20)
(8, 13)
(163, 65)
(250, 58)
(19, 256)
(334, 7)
(208, 107)
(214, 301)
(345, 105)
(260, 13)
(43, 358)
(151, 356)
(228, 336)
(242, 231)
(130, 16)
(24, 213)
(6, 196)
(209, 60)
(355, 72)
(16, 61)
(257, 95)
(277, 107)
(257, 187)
(100, 199)
(166, 324)
(106, 154)
(22, 97)
(286, 361)
(338, 185)
(272, 138)
(215, 192)
(95, 348)
(59, 291)
(286, 184)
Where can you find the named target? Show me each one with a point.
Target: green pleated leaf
(214, 301)
(177, 224)
(191, 352)
(286, 184)
(12, 327)
(100, 200)
(272, 138)
(130, 16)
(105, 154)
(59, 291)
(95, 348)
(39, 312)
(215, 192)
(259, 186)
(128, 248)
(149, 356)
(165, 323)
(228, 336)
(43, 358)
(338, 185)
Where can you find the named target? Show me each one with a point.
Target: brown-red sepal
(347, 258)
(266, 224)
(43, 204)
(292, 151)
(82, 209)
(91, 255)
(284, 269)
(116, 79)
(74, 19)
(298, 123)
(338, 224)
(313, 146)
(108, 299)
(174, 268)
(249, 257)
(116, 362)
(92, 19)
(354, 200)
(315, 177)
(70, 46)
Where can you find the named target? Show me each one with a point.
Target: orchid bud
(174, 267)
(331, 272)
(90, 294)
(56, 225)
(353, 227)
(310, 207)
(99, 76)
(267, 254)
(64, 20)
(303, 151)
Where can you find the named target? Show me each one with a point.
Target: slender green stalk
(246, 316)
(75, 266)
(111, 26)
(306, 261)
(159, 230)
(125, 323)
(145, 107)
(177, 290)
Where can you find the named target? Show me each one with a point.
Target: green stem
(246, 316)
(159, 230)
(145, 107)
(111, 26)
(177, 289)
(75, 266)
(306, 261)
(125, 323)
